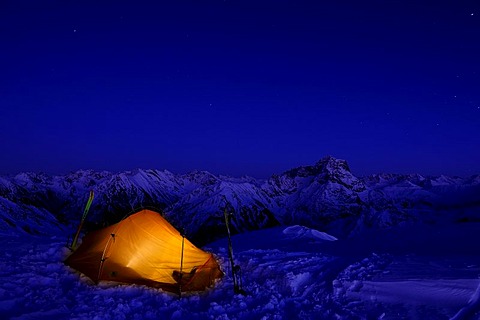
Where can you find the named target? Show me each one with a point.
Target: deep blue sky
(240, 87)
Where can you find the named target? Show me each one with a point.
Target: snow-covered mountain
(320, 195)
(325, 195)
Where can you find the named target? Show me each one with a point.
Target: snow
(437, 293)
(285, 277)
(324, 196)
(307, 233)
(295, 271)
(472, 306)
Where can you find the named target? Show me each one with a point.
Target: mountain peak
(335, 170)
(331, 164)
(328, 165)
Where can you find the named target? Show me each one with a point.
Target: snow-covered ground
(294, 273)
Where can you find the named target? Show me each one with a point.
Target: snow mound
(301, 232)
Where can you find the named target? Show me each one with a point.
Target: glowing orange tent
(145, 249)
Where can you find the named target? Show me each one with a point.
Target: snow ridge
(325, 196)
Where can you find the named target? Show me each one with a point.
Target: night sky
(240, 87)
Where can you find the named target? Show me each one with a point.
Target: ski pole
(85, 212)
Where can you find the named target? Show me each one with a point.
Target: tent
(145, 249)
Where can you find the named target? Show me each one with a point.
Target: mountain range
(325, 196)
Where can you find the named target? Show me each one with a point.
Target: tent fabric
(145, 249)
